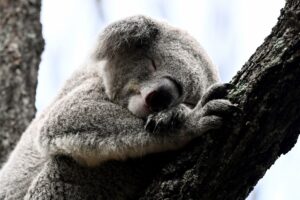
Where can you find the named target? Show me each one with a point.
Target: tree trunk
(21, 45)
(225, 165)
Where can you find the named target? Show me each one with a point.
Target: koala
(146, 88)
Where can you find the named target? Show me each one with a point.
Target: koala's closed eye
(153, 65)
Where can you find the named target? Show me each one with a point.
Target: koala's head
(151, 66)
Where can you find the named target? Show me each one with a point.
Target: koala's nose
(162, 94)
(159, 99)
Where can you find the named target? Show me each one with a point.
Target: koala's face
(136, 82)
(151, 66)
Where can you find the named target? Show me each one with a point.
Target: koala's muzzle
(163, 95)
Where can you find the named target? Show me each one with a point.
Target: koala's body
(138, 94)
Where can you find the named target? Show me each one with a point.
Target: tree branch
(226, 165)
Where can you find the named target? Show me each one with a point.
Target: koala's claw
(155, 122)
(165, 120)
(216, 91)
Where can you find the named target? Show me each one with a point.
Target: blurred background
(229, 30)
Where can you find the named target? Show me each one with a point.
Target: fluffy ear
(132, 33)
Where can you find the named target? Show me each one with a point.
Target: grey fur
(75, 148)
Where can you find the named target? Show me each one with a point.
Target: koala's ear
(132, 33)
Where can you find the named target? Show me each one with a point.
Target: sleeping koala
(142, 91)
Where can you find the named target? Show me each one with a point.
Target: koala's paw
(215, 111)
(167, 120)
(216, 91)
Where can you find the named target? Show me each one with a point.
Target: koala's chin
(138, 107)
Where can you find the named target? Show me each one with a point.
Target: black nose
(159, 99)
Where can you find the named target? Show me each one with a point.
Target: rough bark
(225, 165)
(21, 45)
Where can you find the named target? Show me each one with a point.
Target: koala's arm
(88, 127)
(91, 130)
